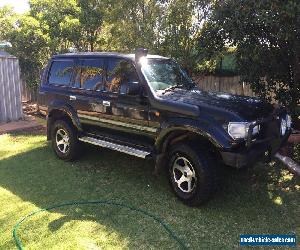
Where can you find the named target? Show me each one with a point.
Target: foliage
(30, 45)
(131, 24)
(167, 27)
(7, 20)
(90, 19)
(296, 152)
(267, 37)
(221, 64)
(59, 20)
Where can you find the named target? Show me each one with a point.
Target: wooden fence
(210, 83)
(230, 84)
(28, 94)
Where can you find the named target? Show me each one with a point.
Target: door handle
(106, 103)
(72, 97)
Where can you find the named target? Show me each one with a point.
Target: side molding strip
(118, 123)
(117, 147)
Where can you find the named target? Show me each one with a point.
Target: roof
(105, 54)
(5, 54)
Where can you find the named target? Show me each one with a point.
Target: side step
(117, 147)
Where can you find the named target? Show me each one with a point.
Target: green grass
(261, 200)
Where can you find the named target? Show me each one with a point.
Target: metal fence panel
(10, 89)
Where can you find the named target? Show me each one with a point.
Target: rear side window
(90, 74)
(61, 72)
(119, 72)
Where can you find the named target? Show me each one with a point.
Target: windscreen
(162, 74)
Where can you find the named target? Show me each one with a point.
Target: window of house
(61, 72)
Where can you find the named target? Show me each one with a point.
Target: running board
(117, 147)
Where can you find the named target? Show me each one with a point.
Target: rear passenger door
(86, 91)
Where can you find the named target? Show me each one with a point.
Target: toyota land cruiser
(147, 106)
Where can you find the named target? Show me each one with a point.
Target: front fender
(209, 130)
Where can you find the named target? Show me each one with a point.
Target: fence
(10, 89)
(228, 84)
(28, 94)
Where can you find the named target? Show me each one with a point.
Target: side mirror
(131, 88)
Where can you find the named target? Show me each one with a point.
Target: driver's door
(125, 113)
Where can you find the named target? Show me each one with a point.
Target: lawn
(264, 199)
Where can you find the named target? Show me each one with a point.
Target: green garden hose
(101, 202)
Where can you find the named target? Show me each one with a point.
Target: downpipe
(290, 164)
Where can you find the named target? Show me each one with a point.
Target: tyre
(64, 140)
(192, 174)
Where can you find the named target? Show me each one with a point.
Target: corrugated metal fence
(10, 89)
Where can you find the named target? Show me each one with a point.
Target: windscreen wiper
(172, 88)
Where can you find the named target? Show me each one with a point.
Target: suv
(147, 106)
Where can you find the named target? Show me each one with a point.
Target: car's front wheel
(192, 174)
(64, 140)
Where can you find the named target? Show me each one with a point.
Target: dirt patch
(40, 130)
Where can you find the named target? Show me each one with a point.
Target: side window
(61, 72)
(119, 72)
(90, 74)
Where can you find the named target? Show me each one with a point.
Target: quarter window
(90, 74)
(61, 72)
(119, 72)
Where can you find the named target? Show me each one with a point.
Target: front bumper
(261, 151)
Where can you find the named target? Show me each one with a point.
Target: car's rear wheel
(192, 174)
(64, 140)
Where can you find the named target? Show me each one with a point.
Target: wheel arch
(62, 112)
(190, 136)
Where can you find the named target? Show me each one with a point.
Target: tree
(7, 20)
(59, 19)
(30, 45)
(71, 23)
(266, 35)
(181, 27)
(166, 27)
(130, 24)
(90, 19)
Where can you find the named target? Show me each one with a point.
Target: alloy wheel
(184, 174)
(62, 140)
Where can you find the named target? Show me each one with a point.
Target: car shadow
(257, 200)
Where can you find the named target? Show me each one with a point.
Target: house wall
(10, 89)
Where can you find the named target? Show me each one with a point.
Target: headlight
(238, 130)
(288, 121)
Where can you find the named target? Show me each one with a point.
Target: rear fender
(59, 109)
